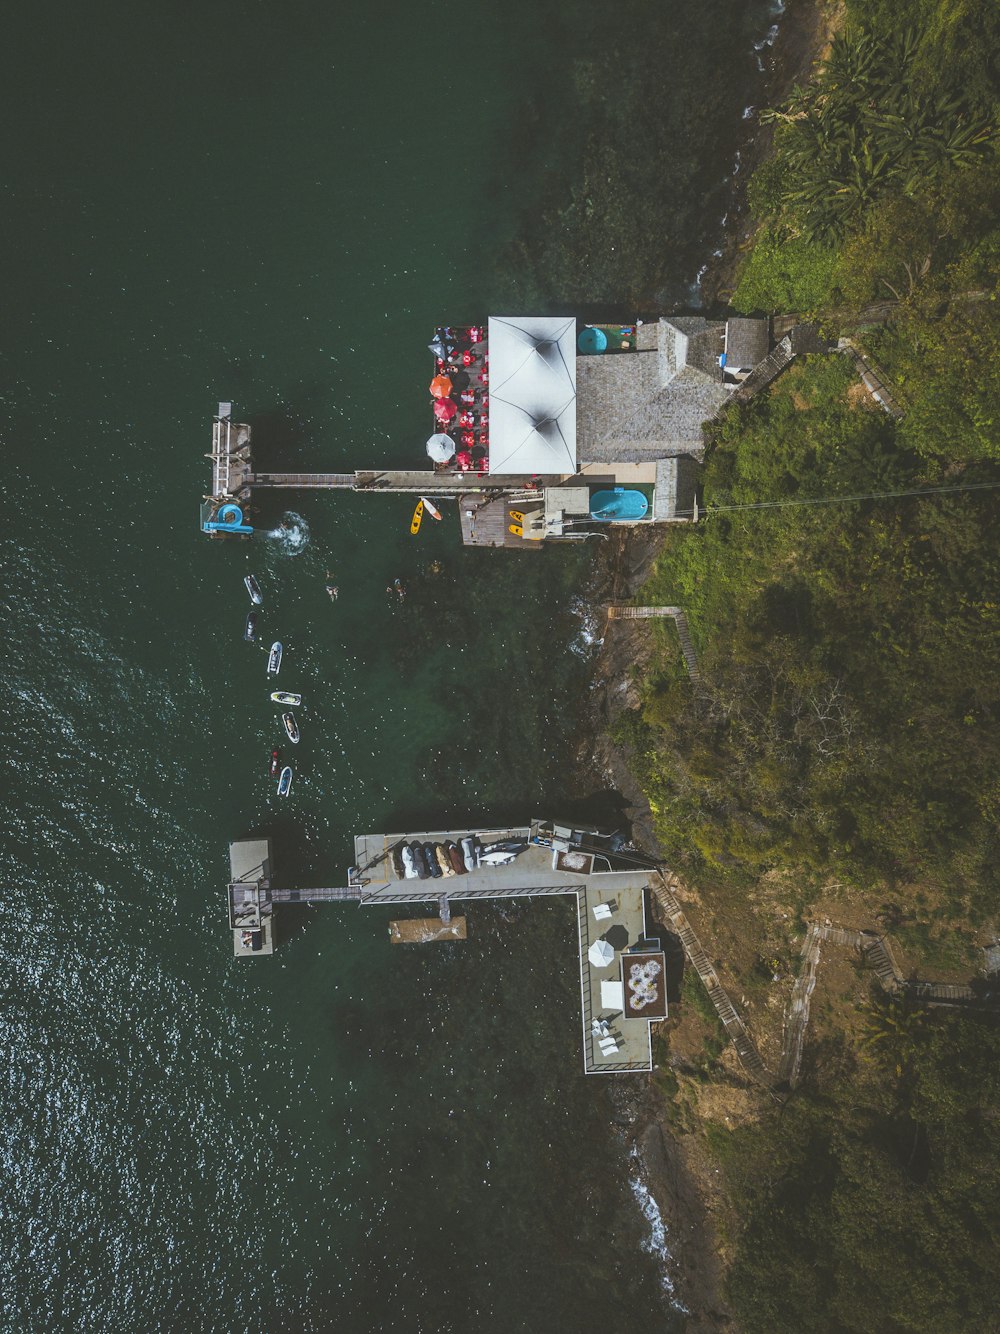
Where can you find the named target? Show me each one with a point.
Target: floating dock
(622, 969)
(426, 930)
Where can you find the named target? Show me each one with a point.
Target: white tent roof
(532, 395)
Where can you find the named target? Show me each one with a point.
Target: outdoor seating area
(460, 393)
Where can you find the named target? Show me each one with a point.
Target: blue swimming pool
(617, 505)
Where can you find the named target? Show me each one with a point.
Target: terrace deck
(532, 875)
(486, 522)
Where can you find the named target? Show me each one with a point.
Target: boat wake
(291, 537)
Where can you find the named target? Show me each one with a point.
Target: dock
(426, 930)
(622, 968)
(489, 520)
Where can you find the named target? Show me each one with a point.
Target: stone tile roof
(643, 406)
(747, 343)
(674, 492)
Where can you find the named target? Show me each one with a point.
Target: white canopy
(532, 395)
(601, 954)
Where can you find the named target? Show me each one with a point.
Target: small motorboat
(502, 852)
(250, 629)
(469, 853)
(274, 659)
(291, 727)
(430, 856)
(497, 858)
(396, 861)
(275, 763)
(419, 860)
(253, 588)
(285, 781)
(457, 860)
(286, 697)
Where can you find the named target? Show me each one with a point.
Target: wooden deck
(426, 930)
(487, 520)
(230, 457)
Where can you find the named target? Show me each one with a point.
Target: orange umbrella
(440, 386)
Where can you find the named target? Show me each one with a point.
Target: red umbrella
(445, 409)
(440, 386)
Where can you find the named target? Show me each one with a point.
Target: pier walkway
(413, 482)
(622, 971)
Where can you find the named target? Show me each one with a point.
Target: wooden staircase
(617, 612)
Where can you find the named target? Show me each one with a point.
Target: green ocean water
(275, 205)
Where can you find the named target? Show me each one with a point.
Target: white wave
(656, 1242)
(291, 537)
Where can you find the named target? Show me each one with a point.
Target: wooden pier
(230, 454)
(609, 892)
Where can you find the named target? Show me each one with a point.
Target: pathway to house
(872, 949)
(620, 612)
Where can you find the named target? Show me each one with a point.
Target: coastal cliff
(844, 636)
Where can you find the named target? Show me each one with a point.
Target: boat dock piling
(622, 970)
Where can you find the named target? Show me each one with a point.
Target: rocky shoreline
(674, 1166)
(804, 31)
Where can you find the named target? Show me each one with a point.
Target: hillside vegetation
(845, 734)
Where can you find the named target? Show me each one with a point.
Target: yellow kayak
(418, 514)
(516, 529)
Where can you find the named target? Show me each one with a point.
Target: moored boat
(250, 629)
(274, 659)
(291, 727)
(286, 697)
(285, 781)
(275, 763)
(253, 588)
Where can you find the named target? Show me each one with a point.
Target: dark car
(419, 860)
(432, 861)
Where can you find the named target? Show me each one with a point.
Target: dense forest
(845, 727)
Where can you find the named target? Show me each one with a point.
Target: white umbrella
(441, 447)
(601, 954)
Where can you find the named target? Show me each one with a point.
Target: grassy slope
(842, 758)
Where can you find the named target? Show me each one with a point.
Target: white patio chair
(602, 911)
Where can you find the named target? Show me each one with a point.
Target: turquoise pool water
(620, 504)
